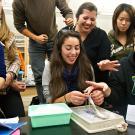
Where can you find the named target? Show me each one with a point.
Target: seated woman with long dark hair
(69, 68)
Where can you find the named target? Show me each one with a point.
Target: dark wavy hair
(57, 85)
(88, 6)
(131, 12)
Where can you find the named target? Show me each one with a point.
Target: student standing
(41, 28)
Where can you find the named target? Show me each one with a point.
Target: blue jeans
(38, 53)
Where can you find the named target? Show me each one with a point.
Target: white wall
(104, 6)
(105, 10)
(104, 18)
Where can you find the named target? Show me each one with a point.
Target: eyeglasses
(133, 89)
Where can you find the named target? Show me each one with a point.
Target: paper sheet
(130, 117)
(10, 120)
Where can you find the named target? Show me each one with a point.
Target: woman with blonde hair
(10, 99)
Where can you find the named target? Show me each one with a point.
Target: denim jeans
(38, 53)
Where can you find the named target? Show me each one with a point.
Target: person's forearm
(107, 92)
(14, 66)
(65, 98)
(29, 34)
(60, 100)
(2, 81)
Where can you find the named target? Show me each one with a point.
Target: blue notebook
(8, 129)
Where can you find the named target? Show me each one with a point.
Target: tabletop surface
(70, 129)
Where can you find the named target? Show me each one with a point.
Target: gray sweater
(39, 15)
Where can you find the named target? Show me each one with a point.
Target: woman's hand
(76, 97)
(108, 65)
(96, 94)
(98, 97)
(100, 87)
(18, 86)
(69, 21)
(2, 82)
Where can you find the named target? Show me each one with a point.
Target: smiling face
(123, 21)
(86, 21)
(70, 50)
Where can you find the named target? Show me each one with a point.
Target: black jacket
(121, 84)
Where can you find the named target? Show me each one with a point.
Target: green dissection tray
(49, 114)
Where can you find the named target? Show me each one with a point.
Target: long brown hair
(5, 36)
(57, 85)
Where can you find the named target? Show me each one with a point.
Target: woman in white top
(64, 77)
